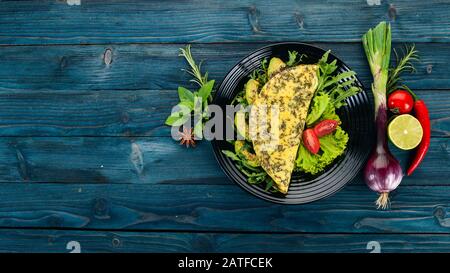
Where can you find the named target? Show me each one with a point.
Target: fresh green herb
(293, 60)
(339, 86)
(255, 175)
(339, 95)
(261, 75)
(326, 71)
(240, 99)
(192, 102)
(333, 89)
(402, 64)
(195, 69)
(231, 155)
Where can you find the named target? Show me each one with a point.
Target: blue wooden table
(87, 164)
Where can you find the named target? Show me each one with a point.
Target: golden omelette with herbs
(290, 93)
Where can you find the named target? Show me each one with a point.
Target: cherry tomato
(311, 141)
(400, 102)
(325, 127)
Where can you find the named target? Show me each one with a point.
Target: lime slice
(405, 132)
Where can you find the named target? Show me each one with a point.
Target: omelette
(277, 120)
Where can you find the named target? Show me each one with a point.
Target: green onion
(377, 45)
(382, 172)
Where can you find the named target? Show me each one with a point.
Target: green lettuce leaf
(330, 113)
(319, 105)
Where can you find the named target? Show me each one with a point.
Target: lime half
(405, 132)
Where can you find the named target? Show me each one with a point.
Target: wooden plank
(104, 160)
(150, 160)
(86, 113)
(50, 22)
(414, 209)
(156, 67)
(65, 241)
(125, 113)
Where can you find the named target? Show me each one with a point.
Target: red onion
(383, 172)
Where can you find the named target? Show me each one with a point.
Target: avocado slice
(251, 90)
(243, 152)
(241, 124)
(275, 65)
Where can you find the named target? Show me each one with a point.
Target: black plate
(357, 121)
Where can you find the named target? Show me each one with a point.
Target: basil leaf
(181, 114)
(205, 91)
(185, 94)
(188, 104)
(181, 121)
(172, 118)
(177, 119)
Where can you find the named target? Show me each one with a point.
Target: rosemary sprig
(402, 64)
(195, 69)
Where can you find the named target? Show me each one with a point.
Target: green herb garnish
(192, 102)
(255, 175)
(261, 75)
(402, 64)
(294, 59)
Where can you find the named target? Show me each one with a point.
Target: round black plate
(357, 121)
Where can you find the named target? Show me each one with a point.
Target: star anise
(187, 137)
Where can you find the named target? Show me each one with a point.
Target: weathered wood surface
(59, 241)
(150, 160)
(206, 207)
(84, 91)
(51, 22)
(158, 66)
